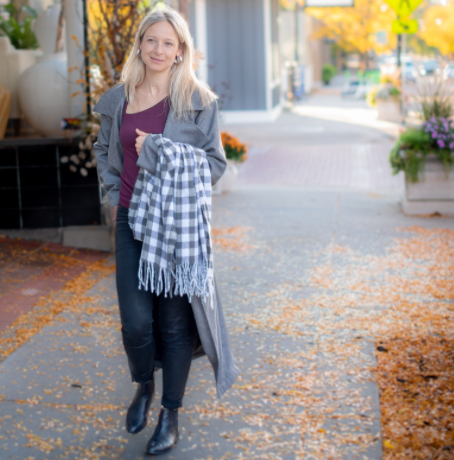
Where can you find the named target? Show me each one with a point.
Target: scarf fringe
(191, 280)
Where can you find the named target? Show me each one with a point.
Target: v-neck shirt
(151, 120)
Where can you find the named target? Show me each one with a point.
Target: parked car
(350, 88)
(408, 70)
(448, 71)
(430, 68)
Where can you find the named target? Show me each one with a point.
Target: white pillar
(267, 55)
(75, 49)
(201, 38)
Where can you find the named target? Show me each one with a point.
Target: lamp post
(76, 19)
(87, 59)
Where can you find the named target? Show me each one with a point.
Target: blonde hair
(183, 80)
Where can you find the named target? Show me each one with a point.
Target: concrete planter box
(228, 179)
(434, 193)
(389, 110)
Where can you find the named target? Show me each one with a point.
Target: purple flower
(441, 143)
(434, 134)
(451, 145)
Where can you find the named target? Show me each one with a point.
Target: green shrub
(409, 153)
(411, 149)
(328, 72)
(387, 92)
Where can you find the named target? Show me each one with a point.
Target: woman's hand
(114, 213)
(141, 136)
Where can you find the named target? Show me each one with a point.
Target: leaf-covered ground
(342, 330)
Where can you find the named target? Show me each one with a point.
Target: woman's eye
(169, 44)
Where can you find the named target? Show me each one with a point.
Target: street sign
(405, 26)
(403, 7)
(382, 37)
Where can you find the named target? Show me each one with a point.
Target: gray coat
(200, 129)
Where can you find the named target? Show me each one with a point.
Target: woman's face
(159, 47)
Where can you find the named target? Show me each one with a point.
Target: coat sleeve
(207, 122)
(108, 176)
(205, 135)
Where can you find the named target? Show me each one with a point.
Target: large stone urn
(12, 63)
(43, 88)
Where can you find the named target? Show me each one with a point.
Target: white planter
(389, 110)
(43, 94)
(12, 63)
(228, 179)
(434, 193)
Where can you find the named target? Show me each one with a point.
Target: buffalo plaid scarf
(171, 212)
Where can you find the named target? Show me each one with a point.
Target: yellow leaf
(76, 40)
(388, 444)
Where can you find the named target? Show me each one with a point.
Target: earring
(180, 58)
(138, 52)
(175, 61)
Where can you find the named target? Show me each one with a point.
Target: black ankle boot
(136, 419)
(165, 435)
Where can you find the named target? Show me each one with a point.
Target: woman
(160, 94)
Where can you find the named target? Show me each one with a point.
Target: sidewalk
(318, 276)
(30, 270)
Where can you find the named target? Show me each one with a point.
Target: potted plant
(236, 153)
(386, 98)
(20, 33)
(426, 155)
(17, 48)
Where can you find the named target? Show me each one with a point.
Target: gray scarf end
(191, 280)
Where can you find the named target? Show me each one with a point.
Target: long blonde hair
(183, 80)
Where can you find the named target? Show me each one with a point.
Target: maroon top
(151, 120)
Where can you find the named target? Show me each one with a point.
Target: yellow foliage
(113, 24)
(355, 28)
(438, 29)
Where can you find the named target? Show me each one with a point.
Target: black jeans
(139, 309)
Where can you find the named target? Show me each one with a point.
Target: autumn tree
(355, 28)
(113, 24)
(438, 28)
